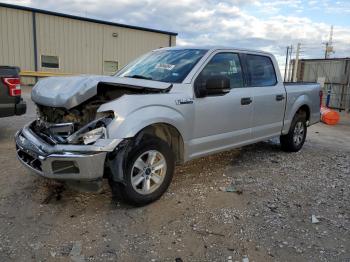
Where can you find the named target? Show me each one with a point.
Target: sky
(257, 24)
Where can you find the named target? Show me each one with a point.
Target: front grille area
(42, 133)
(63, 167)
(29, 160)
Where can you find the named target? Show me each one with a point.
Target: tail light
(321, 96)
(13, 84)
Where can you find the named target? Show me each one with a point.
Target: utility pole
(286, 66)
(296, 62)
(329, 45)
(290, 65)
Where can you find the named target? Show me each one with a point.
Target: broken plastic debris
(231, 188)
(75, 253)
(76, 249)
(314, 220)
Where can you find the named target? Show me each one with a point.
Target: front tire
(149, 169)
(294, 140)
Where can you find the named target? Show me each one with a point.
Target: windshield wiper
(140, 77)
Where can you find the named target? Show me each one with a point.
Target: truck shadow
(201, 170)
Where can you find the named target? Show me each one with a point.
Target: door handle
(279, 97)
(246, 100)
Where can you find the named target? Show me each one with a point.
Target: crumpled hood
(68, 92)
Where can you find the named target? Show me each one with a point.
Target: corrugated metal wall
(81, 46)
(16, 38)
(336, 73)
(332, 70)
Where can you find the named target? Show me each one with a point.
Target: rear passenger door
(269, 96)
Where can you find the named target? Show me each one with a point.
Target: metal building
(334, 76)
(44, 43)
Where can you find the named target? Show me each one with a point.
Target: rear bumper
(20, 108)
(62, 162)
(13, 109)
(315, 118)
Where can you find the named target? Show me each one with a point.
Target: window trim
(211, 57)
(245, 59)
(244, 69)
(41, 62)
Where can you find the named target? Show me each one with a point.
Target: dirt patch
(197, 219)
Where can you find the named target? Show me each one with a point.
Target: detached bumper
(63, 162)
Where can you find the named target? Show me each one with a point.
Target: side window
(224, 64)
(260, 71)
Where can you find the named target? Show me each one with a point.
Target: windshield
(164, 65)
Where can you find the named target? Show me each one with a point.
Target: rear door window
(261, 71)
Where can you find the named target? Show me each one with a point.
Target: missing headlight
(92, 131)
(106, 114)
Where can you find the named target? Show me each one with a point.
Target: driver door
(222, 121)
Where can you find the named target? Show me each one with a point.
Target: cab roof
(214, 48)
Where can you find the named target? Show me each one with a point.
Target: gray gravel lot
(266, 218)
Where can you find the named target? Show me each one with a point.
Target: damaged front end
(61, 151)
(77, 131)
(70, 139)
(67, 144)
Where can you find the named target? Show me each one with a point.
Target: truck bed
(307, 92)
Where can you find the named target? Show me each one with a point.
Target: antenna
(329, 45)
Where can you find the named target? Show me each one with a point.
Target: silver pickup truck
(167, 107)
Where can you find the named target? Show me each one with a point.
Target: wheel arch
(302, 104)
(304, 109)
(168, 133)
(295, 138)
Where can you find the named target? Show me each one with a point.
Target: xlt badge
(184, 101)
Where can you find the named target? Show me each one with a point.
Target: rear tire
(294, 140)
(149, 169)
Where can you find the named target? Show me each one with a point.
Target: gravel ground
(265, 216)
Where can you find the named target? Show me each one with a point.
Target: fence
(336, 96)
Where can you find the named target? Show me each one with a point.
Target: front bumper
(63, 161)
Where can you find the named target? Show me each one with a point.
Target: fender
(291, 111)
(135, 112)
(130, 126)
(143, 117)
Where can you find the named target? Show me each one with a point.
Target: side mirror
(215, 85)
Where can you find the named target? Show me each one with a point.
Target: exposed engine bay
(57, 124)
(83, 113)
